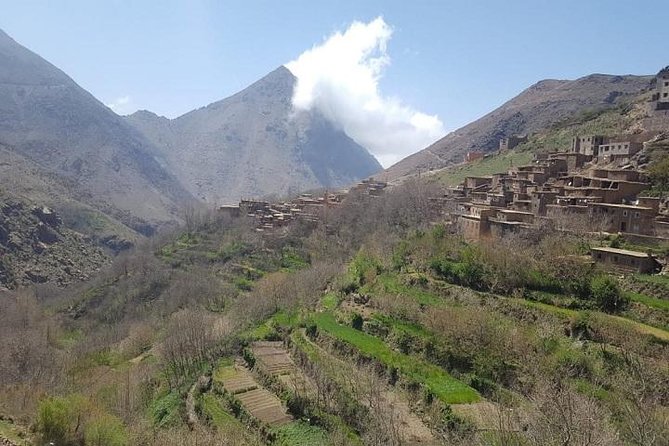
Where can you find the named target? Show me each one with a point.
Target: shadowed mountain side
(49, 120)
(253, 144)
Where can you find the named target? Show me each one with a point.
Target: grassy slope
(610, 122)
(452, 176)
(445, 387)
(619, 320)
(12, 433)
(300, 433)
(659, 304)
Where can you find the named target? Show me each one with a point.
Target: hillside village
(595, 185)
(506, 285)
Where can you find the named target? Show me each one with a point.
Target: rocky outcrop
(36, 248)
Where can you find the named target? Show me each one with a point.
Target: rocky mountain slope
(77, 146)
(255, 144)
(35, 247)
(537, 108)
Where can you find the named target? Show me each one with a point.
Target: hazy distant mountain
(536, 108)
(76, 148)
(254, 144)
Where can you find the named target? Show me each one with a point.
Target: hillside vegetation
(627, 118)
(382, 329)
(544, 104)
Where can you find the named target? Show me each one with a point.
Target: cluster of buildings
(561, 189)
(268, 216)
(591, 186)
(562, 192)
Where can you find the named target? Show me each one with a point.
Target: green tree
(606, 292)
(659, 175)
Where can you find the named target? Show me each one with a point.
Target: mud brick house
(661, 94)
(511, 142)
(232, 211)
(473, 156)
(619, 150)
(624, 260)
(624, 218)
(587, 145)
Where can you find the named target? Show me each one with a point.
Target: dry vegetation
(544, 347)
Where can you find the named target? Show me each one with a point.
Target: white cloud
(122, 105)
(340, 78)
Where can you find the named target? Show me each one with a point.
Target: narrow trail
(201, 385)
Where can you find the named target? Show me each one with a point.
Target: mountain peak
(253, 144)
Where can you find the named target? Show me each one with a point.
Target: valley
(247, 274)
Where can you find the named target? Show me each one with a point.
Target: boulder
(47, 216)
(46, 234)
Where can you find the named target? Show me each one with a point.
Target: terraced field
(412, 429)
(273, 359)
(436, 379)
(256, 400)
(225, 422)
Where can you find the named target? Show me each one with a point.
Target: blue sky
(453, 59)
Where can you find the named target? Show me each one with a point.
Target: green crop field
(660, 304)
(219, 416)
(389, 283)
(437, 380)
(300, 433)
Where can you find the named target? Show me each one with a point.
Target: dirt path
(199, 386)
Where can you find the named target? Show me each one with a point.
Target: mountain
(255, 144)
(540, 106)
(72, 149)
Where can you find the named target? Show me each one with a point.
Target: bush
(357, 321)
(400, 257)
(249, 357)
(604, 290)
(106, 430)
(580, 326)
(364, 268)
(59, 418)
(311, 330)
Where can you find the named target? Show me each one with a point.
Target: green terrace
(434, 378)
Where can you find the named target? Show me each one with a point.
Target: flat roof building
(625, 260)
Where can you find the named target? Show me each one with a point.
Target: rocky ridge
(35, 247)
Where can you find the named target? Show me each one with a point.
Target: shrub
(59, 418)
(364, 268)
(357, 321)
(400, 255)
(580, 327)
(604, 290)
(311, 330)
(106, 430)
(249, 357)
